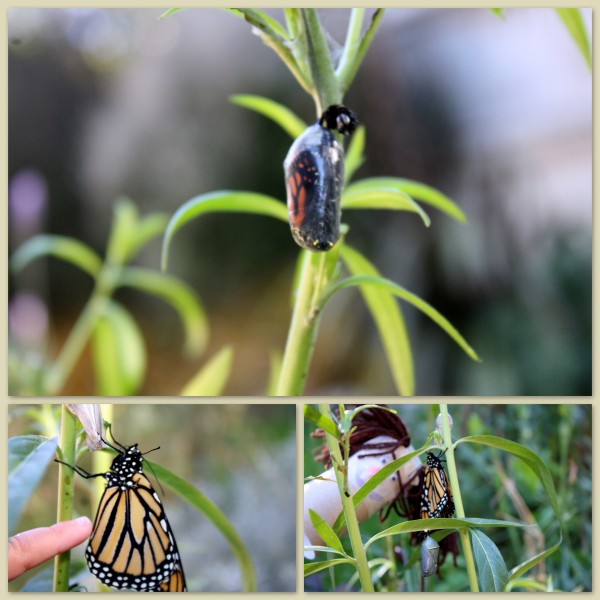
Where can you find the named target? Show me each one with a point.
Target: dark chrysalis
(314, 177)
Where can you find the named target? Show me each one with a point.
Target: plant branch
(460, 511)
(66, 487)
(340, 467)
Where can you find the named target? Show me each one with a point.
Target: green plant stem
(460, 511)
(80, 334)
(303, 327)
(352, 42)
(71, 350)
(66, 486)
(340, 469)
(317, 268)
(326, 88)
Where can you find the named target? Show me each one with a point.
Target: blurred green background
(561, 434)
(243, 457)
(496, 113)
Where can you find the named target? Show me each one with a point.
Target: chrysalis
(314, 177)
(430, 551)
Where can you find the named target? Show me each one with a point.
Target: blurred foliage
(232, 453)
(560, 434)
(117, 344)
(441, 93)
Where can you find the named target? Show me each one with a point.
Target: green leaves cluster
(379, 293)
(493, 574)
(302, 45)
(118, 348)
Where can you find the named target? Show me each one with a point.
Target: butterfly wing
(436, 497)
(314, 175)
(175, 582)
(132, 546)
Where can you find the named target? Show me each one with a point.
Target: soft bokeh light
(27, 320)
(496, 113)
(27, 197)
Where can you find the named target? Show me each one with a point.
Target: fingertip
(83, 523)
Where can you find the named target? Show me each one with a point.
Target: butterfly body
(132, 546)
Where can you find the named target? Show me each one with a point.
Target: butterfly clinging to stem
(132, 545)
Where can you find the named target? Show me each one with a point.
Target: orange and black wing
(132, 546)
(436, 496)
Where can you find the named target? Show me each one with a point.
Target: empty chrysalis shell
(439, 423)
(430, 551)
(314, 177)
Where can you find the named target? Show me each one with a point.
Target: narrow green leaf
(351, 43)
(450, 523)
(198, 500)
(355, 153)
(374, 482)
(125, 220)
(573, 20)
(147, 229)
(28, 458)
(541, 470)
(119, 353)
(325, 532)
(424, 307)
(493, 574)
(263, 21)
(170, 12)
(180, 296)
(323, 549)
(292, 54)
(418, 191)
(315, 567)
(212, 378)
(348, 69)
(280, 114)
(378, 197)
(521, 569)
(293, 18)
(65, 248)
(388, 318)
(325, 423)
(221, 201)
(531, 585)
(530, 458)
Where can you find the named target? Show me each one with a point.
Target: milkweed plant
(378, 570)
(68, 435)
(118, 349)
(302, 46)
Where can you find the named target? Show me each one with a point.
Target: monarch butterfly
(436, 497)
(132, 545)
(314, 175)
